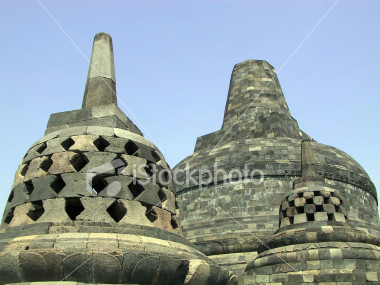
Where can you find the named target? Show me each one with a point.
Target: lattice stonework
(59, 167)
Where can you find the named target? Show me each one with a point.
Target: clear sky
(173, 64)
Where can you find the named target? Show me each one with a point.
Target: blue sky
(173, 63)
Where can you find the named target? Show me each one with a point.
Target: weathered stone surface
(54, 211)
(61, 163)
(107, 268)
(101, 82)
(9, 267)
(83, 143)
(95, 210)
(33, 267)
(20, 215)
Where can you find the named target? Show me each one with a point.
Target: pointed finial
(307, 159)
(101, 82)
(308, 167)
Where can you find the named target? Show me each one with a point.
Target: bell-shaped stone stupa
(85, 205)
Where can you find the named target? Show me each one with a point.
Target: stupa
(84, 207)
(254, 161)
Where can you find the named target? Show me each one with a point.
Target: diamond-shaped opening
(330, 217)
(78, 161)
(162, 195)
(155, 156)
(25, 169)
(136, 188)
(73, 207)
(98, 184)
(151, 214)
(9, 216)
(149, 169)
(131, 147)
(11, 196)
(176, 204)
(41, 148)
(174, 223)
(101, 143)
(29, 186)
(66, 144)
(37, 211)
(58, 184)
(46, 163)
(117, 211)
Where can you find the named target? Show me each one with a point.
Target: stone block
(198, 272)
(54, 145)
(308, 194)
(334, 201)
(20, 215)
(57, 119)
(290, 212)
(33, 266)
(95, 210)
(36, 168)
(9, 267)
(285, 205)
(73, 131)
(320, 216)
(339, 217)
(310, 208)
(43, 188)
(117, 186)
(135, 166)
(84, 143)
(116, 145)
(135, 209)
(300, 202)
(54, 211)
(72, 262)
(328, 208)
(100, 131)
(99, 162)
(139, 268)
(62, 163)
(150, 195)
(107, 268)
(20, 195)
(318, 200)
(76, 185)
(372, 277)
(80, 115)
(300, 218)
(285, 222)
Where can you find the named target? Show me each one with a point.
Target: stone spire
(101, 82)
(254, 91)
